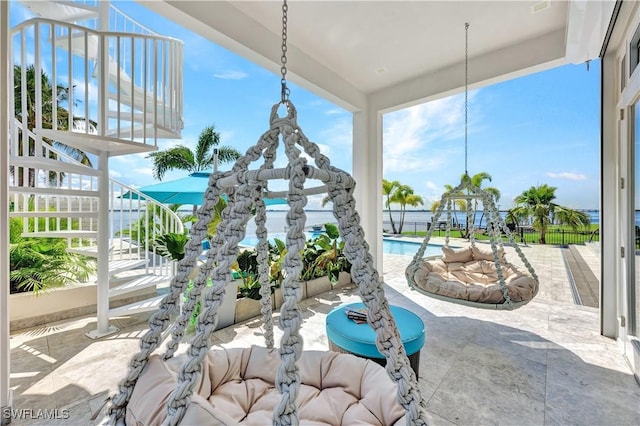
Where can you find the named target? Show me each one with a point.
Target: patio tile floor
(543, 364)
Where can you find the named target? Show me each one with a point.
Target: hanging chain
(466, 93)
(283, 58)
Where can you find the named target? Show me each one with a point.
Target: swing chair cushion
(470, 274)
(237, 387)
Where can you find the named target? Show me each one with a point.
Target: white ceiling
(390, 54)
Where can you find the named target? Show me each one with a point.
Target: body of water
(409, 248)
(414, 220)
(389, 246)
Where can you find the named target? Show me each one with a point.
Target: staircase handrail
(50, 148)
(143, 100)
(81, 28)
(136, 24)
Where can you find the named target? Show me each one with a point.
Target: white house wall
(620, 91)
(5, 392)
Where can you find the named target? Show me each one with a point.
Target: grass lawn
(556, 235)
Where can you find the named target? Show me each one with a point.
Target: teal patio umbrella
(187, 190)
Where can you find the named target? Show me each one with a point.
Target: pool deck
(543, 364)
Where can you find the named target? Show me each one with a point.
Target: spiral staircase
(110, 87)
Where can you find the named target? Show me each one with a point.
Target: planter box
(278, 298)
(343, 279)
(317, 286)
(322, 284)
(30, 310)
(227, 310)
(246, 308)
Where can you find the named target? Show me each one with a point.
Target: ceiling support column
(610, 213)
(5, 347)
(367, 171)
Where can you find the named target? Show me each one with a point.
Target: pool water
(389, 246)
(409, 248)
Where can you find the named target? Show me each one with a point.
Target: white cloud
(567, 176)
(231, 75)
(409, 132)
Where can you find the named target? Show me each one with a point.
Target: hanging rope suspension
(245, 190)
(466, 97)
(500, 285)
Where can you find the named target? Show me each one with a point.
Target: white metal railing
(53, 192)
(117, 20)
(128, 86)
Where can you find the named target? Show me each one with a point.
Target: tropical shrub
(171, 245)
(247, 265)
(323, 255)
(38, 264)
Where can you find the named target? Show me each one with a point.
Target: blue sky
(538, 129)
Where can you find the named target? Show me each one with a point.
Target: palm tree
(537, 203)
(388, 188)
(29, 114)
(182, 158)
(477, 181)
(460, 204)
(404, 196)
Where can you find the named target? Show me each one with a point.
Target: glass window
(634, 51)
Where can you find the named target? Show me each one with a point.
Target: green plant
(37, 264)
(324, 256)
(248, 267)
(171, 245)
(193, 320)
(277, 253)
(537, 203)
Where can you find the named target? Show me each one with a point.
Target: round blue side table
(347, 336)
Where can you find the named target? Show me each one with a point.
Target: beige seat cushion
(476, 279)
(456, 255)
(237, 387)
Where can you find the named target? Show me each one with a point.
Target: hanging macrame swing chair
(256, 385)
(473, 275)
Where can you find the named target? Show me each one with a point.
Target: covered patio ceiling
(393, 54)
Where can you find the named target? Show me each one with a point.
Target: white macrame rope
(198, 233)
(263, 272)
(497, 225)
(160, 319)
(200, 344)
(379, 315)
(245, 189)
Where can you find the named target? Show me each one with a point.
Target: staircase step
(138, 132)
(139, 283)
(96, 144)
(78, 44)
(118, 266)
(62, 234)
(53, 165)
(89, 251)
(137, 307)
(66, 11)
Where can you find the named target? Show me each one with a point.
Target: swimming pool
(389, 246)
(409, 248)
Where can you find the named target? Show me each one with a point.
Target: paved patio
(544, 364)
